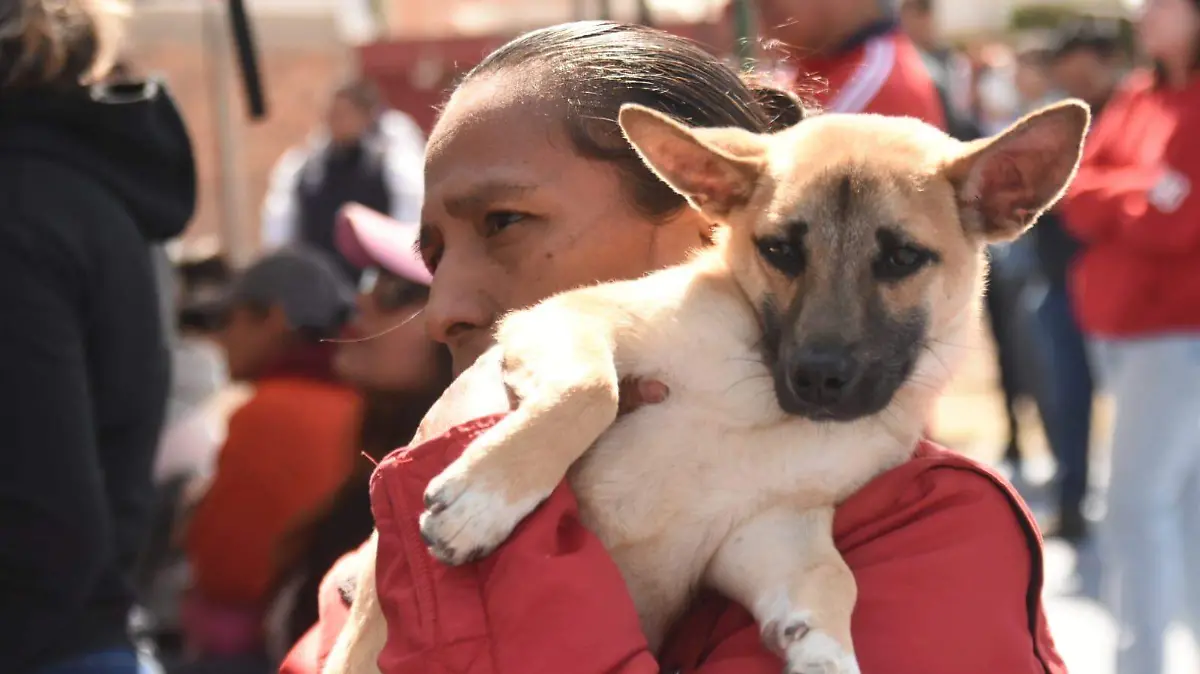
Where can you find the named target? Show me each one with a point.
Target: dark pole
(744, 33)
(247, 55)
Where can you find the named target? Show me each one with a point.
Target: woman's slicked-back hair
(595, 67)
(57, 44)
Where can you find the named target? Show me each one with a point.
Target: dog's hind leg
(559, 364)
(783, 567)
(364, 635)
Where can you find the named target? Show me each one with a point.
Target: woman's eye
(498, 221)
(783, 255)
(900, 262)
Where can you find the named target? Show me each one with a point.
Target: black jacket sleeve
(54, 523)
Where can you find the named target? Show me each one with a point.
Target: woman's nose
(459, 303)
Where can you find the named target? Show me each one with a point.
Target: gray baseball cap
(314, 294)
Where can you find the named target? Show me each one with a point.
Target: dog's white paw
(807, 650)
(464, 521)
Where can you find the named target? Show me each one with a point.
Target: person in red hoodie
(856, 53)
(1136, 288)
(532, 190)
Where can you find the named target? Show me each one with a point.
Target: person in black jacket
(90, 177)
(365, 153)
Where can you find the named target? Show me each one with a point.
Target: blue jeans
(1151, 541)
(106, 662)
(1065, 393)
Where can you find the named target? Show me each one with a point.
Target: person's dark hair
(922, 6)
(362, 93)
(1097, 35)
(595, 67)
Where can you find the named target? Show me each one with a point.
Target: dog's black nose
(823, 376)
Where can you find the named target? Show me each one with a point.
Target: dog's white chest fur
(665, 485)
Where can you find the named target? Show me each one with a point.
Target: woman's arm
(1153, 210)
(948, 565)
(1147, 207)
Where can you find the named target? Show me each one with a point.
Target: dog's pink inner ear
(716, 169)
(713, 183)
(1006, 183)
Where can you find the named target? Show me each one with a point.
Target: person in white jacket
(365, 153)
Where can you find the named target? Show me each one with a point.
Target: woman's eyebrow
(482, 195)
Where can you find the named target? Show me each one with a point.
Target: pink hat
(368, 238)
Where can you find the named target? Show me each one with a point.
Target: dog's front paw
(464, 520)
(808, 650)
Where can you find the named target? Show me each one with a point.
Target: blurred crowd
(211, 431)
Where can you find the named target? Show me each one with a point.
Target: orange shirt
(287, 451)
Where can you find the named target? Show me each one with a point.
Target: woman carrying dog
(531, 190)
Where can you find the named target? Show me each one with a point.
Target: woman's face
(390, 350)
(1168, 29)
(513, 214)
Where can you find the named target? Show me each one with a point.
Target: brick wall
(299, 67)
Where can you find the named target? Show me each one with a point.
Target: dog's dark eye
(899, 262)
(783, 255)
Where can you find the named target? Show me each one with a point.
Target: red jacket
(947, 559)
(1134, 206)
(878, 71)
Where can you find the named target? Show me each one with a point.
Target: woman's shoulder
(937, 495)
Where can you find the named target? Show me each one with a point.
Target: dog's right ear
(715, 169)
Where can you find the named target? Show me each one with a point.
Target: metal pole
(744, 32)
(232, 222)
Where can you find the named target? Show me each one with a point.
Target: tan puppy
(804, 353)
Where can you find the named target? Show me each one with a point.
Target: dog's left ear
(715, 169)
(1004, 183)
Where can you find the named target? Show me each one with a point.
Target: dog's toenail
(795, 630)
(434, 504)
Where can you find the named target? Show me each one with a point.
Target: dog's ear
(1006, 182)
(715, 169)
